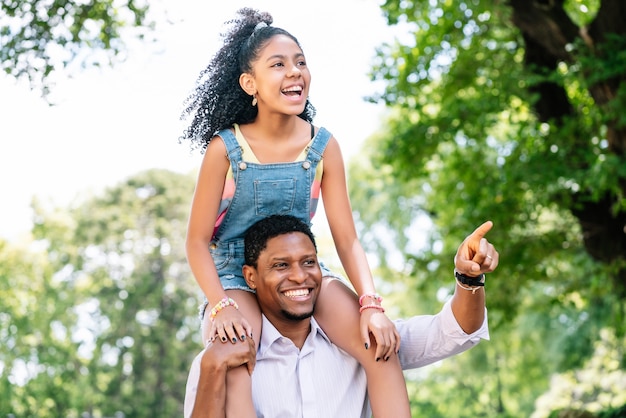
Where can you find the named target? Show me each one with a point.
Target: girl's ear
(247, 83)
(249, 273)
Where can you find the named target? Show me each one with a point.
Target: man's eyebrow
(277, 258)
(288, 257)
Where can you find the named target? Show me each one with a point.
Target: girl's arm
(229, 324)
(202, 216)
(339, 213)
(353, 259)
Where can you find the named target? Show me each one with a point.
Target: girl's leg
(238, 382)
(337, 312)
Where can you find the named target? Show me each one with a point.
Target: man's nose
(298, 275)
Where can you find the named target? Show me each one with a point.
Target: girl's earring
(254, 101)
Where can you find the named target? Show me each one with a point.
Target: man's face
(287, 278)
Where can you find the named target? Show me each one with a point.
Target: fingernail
(243, 338)
(367, 346)
(377, 358)
(223, 339)
(387, 358)
(234, 340)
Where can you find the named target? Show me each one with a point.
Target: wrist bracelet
(469, 280)
(221, 305)
(374, 296)
(372, 306)
(473, 289)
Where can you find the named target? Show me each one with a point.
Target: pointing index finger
(465, 260)
(480, 232)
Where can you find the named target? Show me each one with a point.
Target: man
(298, 371)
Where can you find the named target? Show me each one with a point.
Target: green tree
(510, 111)
(120, 303)
(37, 353)
(38, 38)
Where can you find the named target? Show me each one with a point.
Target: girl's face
(281, 77)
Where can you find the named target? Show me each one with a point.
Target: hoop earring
(254, 100)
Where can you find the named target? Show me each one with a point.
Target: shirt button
(306, 165)
(213, 246)
(243, 165)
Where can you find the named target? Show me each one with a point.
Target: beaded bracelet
(372, 306)
(375, 296)
(221, 305)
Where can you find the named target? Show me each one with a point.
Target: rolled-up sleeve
(192, 385)
(427, 339)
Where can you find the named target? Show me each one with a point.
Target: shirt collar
(269, 335)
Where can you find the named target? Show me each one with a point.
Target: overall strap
(233, 149)
(319, 145)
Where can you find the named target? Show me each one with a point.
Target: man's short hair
(256, 237)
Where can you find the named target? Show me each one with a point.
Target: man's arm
(209, 399)
(474, 257)
(469, 308)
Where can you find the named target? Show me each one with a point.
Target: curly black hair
(257, 236)
(218, 100)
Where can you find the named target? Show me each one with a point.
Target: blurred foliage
(41, 37)
(99, 319)
(99, 315)
(511, 112)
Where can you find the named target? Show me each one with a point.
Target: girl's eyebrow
(281, 56)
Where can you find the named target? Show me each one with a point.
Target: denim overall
(261, 190)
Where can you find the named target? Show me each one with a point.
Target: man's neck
(296, 331)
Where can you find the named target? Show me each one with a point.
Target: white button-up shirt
(322, 381)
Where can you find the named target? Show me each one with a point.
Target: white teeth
(293, 89)
(297, 292)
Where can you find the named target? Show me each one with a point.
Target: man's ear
(249, 273)
(247, 83)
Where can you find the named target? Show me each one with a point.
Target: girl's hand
(384, 332)
(229, 325)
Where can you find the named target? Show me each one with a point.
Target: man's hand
(475, 254)
(216, 360)
(221, 357)
(474, 257)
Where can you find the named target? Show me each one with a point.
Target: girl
(252, 120)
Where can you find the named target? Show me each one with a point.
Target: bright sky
(112, 123)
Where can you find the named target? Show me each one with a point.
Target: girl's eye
(302, 63)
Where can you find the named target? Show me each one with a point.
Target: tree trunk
(546, 30)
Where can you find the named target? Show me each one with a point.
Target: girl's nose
(294, 71)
